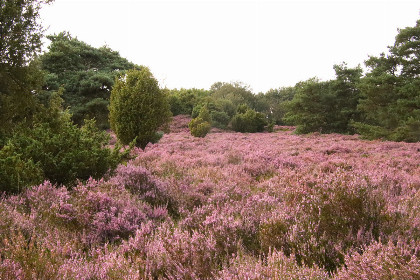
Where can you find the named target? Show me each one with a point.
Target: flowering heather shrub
(382, 261)
(254, 206)
(333, 215)
(180, 123)
(172, 253)
(140, 182)
(108, 212)
(275, 266)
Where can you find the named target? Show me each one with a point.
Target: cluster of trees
(229, 106)
(86, 74)
(38, 139)
(383, 103)
(55, 106)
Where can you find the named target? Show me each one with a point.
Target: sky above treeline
(264, 44)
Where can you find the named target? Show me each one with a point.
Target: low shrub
(250, 121)
(334, 216)
(199, 127)
(275, 266)
(57, 150)
(382, 261)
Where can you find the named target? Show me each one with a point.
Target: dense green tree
(138, 108)
(390, 92)
(20, 78)
(86, 73)
(345, 96)
(326, 107)
(309, 108)
(221, 111)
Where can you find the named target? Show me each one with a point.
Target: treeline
(382, 103)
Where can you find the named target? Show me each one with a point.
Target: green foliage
(205, 114)
(237, 93)
(138, 108)
(308, 108)
(199, 127)
(249, 121)
(219, 110)
(390, 96)
(326, 107)
(57, 150)
(16, 171)
(21, 35)
(86, 73)
(183, 101)
(20, 31)
(270, 126)
(220, 119)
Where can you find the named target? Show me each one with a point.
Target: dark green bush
(17, 172)
(199, 127)
(57, 150)
(220, 119)
(250, 121)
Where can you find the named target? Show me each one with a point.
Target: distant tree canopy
(183, 101)
(86, 73)
(237, 93)
(274, 102)
(20, 78)
(390, 92)
(326, 106)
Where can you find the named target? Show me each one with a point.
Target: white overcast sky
(265, 44)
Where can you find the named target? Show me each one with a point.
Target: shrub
(275, 266)
(250, 121)
(333, 217)
(220, 119)
(16, 171)
(138, 108)
(57, 150)
(173, 253)
(199, 127)
(140, 182)
(382, 261)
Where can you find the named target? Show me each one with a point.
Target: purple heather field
(227, 206)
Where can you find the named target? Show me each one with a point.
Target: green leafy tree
(308, 109)
(274, 103)
(20, 42)
(183, 101)
(237, 93)
(390, 95)
(345, 98)
(87, 75)
(138, 108)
